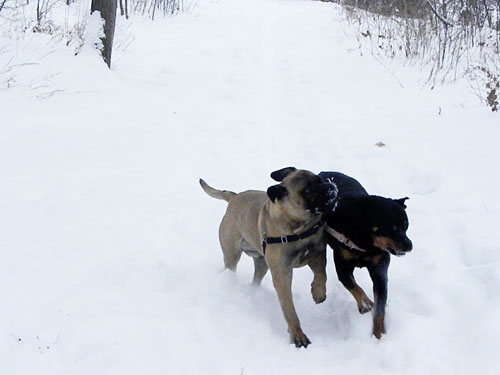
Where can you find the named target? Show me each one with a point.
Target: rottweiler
(363, 231)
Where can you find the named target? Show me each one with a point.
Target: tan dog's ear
(280, 174)
(276, 192)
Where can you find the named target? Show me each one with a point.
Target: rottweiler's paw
(365, 305)
(378, 328)
(299, 339)
(318, 293)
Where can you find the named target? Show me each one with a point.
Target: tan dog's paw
(378, 327)
(299, 338)
(364, 305)
(318, 292)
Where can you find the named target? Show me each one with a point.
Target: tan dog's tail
(217, 194)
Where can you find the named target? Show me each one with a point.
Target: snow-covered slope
(110, 262)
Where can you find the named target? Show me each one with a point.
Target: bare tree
(107, 8)
(453, 38)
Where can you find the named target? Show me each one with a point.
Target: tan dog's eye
(374, 229)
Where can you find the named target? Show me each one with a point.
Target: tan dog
(280, 230)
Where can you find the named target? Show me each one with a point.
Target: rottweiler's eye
(375, 229)
(399, 229)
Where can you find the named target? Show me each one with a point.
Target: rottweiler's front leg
(378, 274)
(345, 271)
(282, 281)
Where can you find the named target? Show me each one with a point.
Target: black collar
(291, 238)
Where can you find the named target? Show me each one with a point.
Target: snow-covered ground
(110, 262)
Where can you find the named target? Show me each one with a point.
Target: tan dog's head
(301, 193)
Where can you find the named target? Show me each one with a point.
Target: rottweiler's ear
(401, 201)
(280, 174)
(276, 192)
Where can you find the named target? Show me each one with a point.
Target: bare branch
(442, 19)
(2, 5)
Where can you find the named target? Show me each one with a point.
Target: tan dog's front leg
(318, 286)
(282, 280)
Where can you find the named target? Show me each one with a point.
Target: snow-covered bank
(110, 258)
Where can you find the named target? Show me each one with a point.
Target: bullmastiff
(280, 229)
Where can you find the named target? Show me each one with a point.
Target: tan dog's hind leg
(230, 244)
(260, 270)
(231, 258)
(318, 285)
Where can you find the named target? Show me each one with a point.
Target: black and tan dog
(364, 230)
(280, 230)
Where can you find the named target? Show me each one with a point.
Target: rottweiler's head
(385, 222)
(301, 193)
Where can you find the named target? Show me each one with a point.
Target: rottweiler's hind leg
(346, 277)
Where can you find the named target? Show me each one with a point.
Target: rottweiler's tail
(218, 194)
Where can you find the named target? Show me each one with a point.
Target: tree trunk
(108, 14)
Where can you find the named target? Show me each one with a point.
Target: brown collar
(343, 239)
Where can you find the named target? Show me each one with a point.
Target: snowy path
(110, 259)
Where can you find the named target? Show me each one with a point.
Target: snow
(110, 257)
(94, 31)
